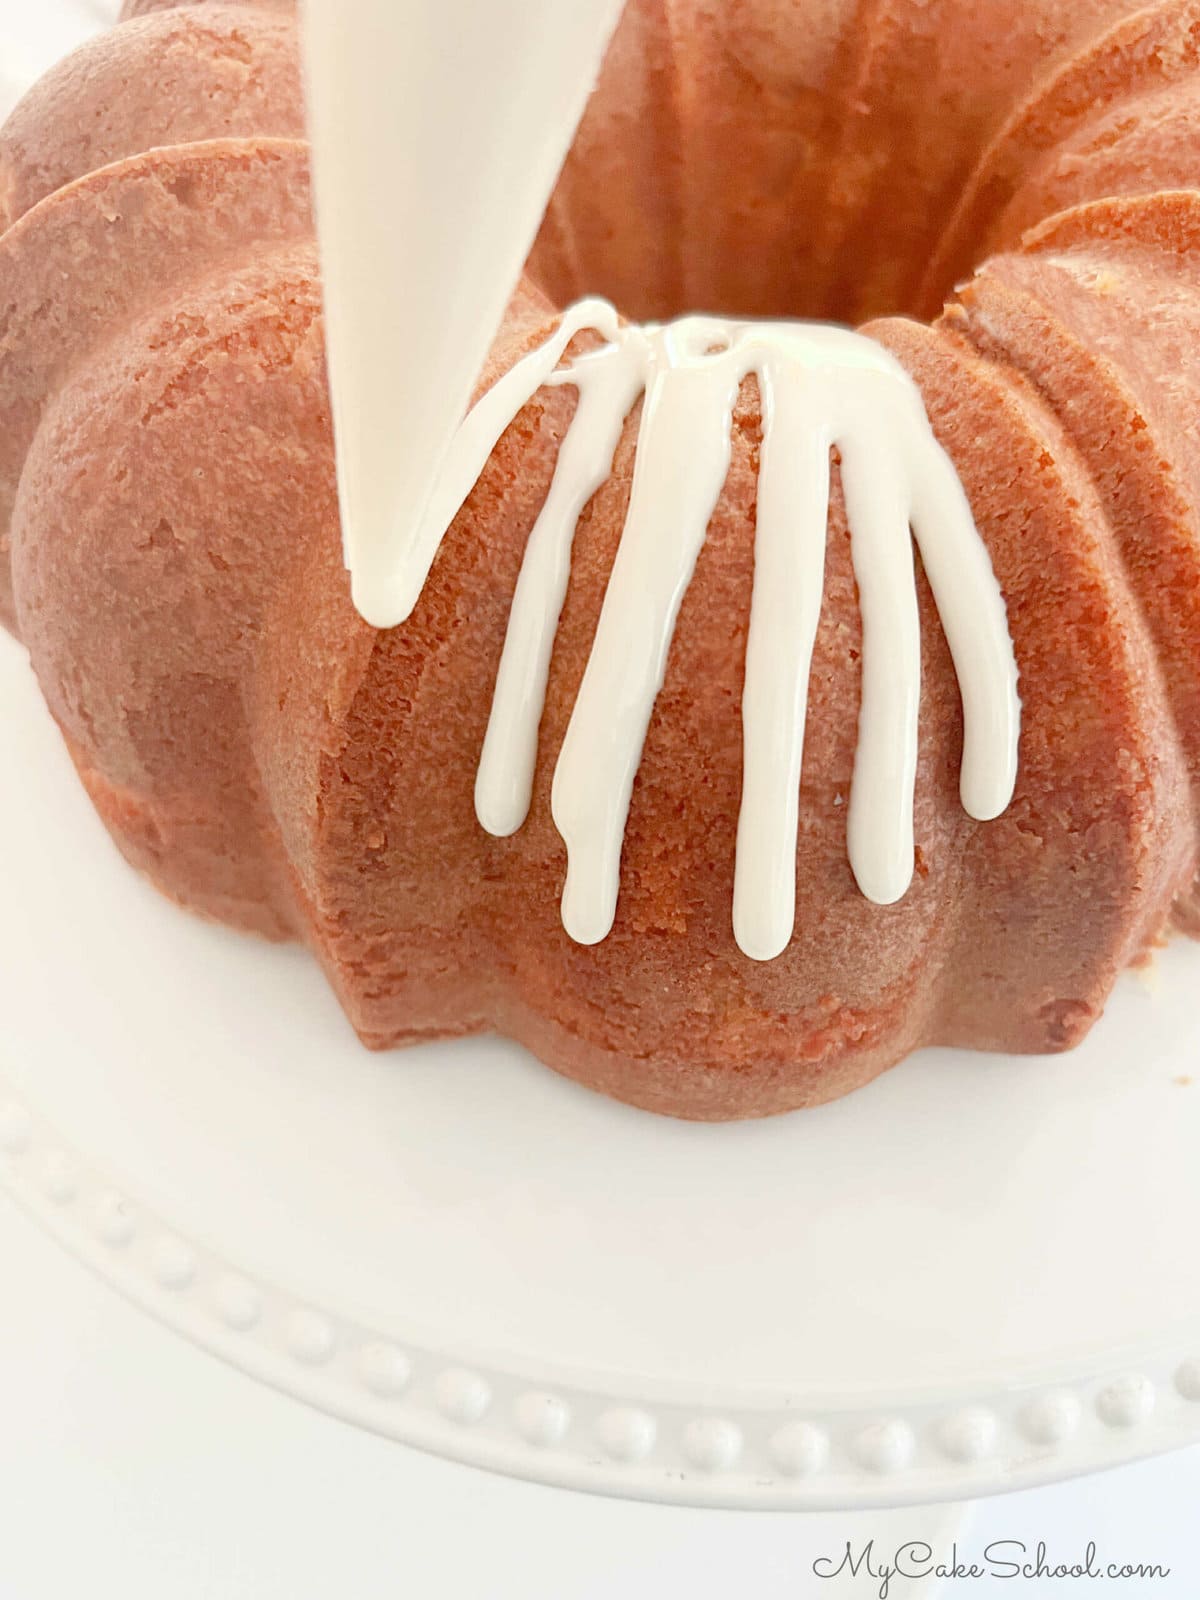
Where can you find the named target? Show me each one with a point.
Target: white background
(132, 1465)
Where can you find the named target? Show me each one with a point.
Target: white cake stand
(978, 1273)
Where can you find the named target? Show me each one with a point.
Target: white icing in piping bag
(437, 138)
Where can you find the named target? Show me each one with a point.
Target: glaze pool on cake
(269, 758)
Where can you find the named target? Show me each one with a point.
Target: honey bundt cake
(167, 488)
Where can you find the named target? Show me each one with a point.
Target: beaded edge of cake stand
(588, 1435)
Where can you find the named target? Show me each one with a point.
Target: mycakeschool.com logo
(890, 1570)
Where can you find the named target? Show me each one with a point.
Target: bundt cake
(171, 553)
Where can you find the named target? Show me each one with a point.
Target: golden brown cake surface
(167, 497)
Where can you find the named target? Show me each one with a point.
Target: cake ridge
(95, 305)
(1164, 38)
(174, 76)
(1151, 501)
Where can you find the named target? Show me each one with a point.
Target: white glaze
(435, 151)
(820, 387)
(437, 139)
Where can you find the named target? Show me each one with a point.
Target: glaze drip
(821, 387)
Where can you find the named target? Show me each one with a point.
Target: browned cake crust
(167, 491)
